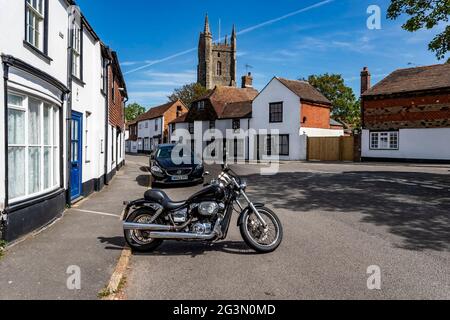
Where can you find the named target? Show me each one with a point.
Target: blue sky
(332, 37)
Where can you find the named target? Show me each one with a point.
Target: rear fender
(140, 203)
(246, 210)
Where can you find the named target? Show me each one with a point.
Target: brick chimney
(247, 81)
(365, 80)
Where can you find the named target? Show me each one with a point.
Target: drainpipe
(248, 140)
(108, 63)
(3, 212)
(124, 145)
(69, 110)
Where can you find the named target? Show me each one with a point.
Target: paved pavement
(338, 219)
(88, 236)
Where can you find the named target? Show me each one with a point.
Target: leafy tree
(188, 93)
(133, 110)
(425, 14)
(345, 106)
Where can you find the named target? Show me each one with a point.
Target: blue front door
(76, 155)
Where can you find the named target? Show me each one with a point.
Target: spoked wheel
(140, 240)
(260, 238)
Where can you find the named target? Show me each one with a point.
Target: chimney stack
(365, 80)
(247, 81)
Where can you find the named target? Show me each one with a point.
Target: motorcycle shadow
(176, 248)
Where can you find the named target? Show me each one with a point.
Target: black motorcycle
(206, 216)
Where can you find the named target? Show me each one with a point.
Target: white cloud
(128, 63)
(150, 63)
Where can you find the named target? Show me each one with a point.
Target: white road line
(97, 212)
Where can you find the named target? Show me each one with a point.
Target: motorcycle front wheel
(260, 239)
(139, 240)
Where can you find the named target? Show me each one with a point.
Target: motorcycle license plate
(180, 178)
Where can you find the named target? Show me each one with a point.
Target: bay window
(35, 18)
(384, 140)
(33, 146)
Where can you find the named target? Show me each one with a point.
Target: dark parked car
(165, 171)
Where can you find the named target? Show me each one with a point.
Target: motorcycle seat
(160, 197)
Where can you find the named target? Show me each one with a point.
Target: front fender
(137, 204)
(248, 209)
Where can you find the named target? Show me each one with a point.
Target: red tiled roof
(305, 91)
(413, 79)
(156, 112)
(241, 109)
(220, 96)
(180, 119)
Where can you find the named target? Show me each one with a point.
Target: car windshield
(164, 152)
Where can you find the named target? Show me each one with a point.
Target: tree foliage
(133, 110)
(345, 106)
(188, 93)
(425, 14)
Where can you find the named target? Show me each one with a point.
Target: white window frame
(54, 145)
(87, 158)
(384, 140)
(76, 51)
(35, 18)
(103, 75)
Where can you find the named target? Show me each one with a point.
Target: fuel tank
(212, 192)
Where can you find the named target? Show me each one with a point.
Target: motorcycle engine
(202, 228)
(180, 216)
(208, 208)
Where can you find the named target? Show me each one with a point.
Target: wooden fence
(331, 149)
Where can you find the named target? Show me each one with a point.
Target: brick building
(153, 126)
(406, 116)
(117, 97)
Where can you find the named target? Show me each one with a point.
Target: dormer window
(201, 105)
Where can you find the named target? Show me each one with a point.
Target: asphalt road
(338, 220)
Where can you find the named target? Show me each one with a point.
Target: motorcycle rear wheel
(256, 237)
(139, 240)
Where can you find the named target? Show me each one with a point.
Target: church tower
(217, 62)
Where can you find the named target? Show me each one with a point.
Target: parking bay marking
(97, 212)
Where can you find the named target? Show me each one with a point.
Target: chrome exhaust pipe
(146, 227)
(181, 236)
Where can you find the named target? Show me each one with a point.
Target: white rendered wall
(428, 144)
(275, 91)
(88, 100)
(12, 19)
